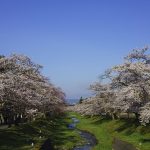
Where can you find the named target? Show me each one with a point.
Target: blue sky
(75, 40)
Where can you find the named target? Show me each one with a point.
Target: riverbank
(32, 136)
(105, 130)
(56, 135)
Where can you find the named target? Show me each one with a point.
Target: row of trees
(24, 91)
(123, 88)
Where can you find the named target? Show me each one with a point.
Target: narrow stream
(90, 141)
(89, 138)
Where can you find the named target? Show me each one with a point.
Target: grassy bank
(21, 137)
(61, 138)
(105, 130)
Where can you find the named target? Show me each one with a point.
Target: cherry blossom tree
(131, 80)
(105, 95)
(145, 114)
(122, 88)
(24, 88)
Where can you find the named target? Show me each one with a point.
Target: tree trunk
(128, 115)
(137, 116)
(118, 115)
(1, 120)
(114, 116)
(5, 120)
(9, 122)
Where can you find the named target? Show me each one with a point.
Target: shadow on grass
(128, 126)
(101, 120)
(145, 140)
(59, 134)
(17, 138)
(14, 139)
(144, 130)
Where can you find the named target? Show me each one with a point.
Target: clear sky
(75, 40)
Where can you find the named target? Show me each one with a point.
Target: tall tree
(24, 88)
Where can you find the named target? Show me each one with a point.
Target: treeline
(25, 93)
(122, 89)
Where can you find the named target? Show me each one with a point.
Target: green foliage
(81, 100)
(2, 56)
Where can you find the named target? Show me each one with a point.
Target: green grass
(106, 129)
(21, 137)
